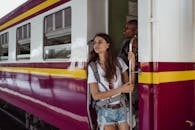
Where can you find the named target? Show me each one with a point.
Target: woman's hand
(127, 87)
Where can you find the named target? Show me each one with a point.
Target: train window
(4, 46)
(49, 23)
(67, 15)
(23, 42)
(57, 35)
(58, 19)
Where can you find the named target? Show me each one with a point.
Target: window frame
(4, 44)
(57, 33)
(23, 38)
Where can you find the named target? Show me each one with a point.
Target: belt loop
(109, 100)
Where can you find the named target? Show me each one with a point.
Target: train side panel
(54, 94)
(166, 48)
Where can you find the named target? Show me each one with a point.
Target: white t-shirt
(116, 81)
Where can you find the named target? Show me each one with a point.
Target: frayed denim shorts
(109, 116)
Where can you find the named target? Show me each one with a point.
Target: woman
(111, 116)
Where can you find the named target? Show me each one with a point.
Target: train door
(167, 60)
(123, 17)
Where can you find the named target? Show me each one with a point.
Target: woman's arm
(97, 95)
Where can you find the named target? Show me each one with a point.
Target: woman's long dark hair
(110, 59)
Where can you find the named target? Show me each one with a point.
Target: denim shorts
(108, 116)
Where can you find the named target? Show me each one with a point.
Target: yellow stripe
(28, 13)
(164, 77)
(70, 73)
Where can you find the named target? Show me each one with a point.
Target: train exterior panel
(39, 77)
(50, 91)
(166, 49)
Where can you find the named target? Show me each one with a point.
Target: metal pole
(131, 81)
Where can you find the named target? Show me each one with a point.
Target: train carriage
(167, 57)
(44, 51)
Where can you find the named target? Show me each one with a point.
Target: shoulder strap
(96, 74)
(95, 71)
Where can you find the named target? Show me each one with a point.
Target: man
(130, 33)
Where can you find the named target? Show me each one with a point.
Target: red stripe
(166, 66)
(57, 65)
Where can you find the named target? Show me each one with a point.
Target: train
(44, 52)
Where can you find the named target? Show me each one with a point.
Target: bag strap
(105, 102)
(96, 74)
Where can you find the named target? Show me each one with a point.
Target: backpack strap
(96, 74)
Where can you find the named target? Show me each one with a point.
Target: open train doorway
(123, 28)
(119, 15)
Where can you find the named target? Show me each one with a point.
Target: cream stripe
(164, 77)
(28, 13)
(51, 107)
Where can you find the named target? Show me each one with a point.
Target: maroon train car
(44, 51)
